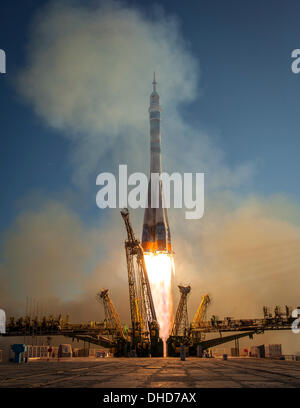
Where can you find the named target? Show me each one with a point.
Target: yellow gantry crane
(180, 333)
(111, 315)
(144, 326)
(200, 315)
(181, 321)
(118, 342)
(197, 334)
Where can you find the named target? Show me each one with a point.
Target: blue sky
(248, 100)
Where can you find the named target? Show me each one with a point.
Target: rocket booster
(156, 232)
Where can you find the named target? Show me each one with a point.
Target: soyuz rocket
(156, 237)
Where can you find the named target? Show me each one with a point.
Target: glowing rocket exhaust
(156, 237)
(159, 268)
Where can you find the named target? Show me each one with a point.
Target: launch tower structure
(181, 322)
(111, 315)
(145, 338)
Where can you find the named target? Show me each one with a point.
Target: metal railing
(40, 352)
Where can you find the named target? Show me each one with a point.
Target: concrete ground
(152, 372)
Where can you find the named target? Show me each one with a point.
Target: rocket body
(156, 232)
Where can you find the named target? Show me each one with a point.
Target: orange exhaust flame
(160, 267)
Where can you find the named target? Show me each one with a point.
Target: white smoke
(89, 74)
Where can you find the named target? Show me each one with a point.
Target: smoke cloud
(50, 256)
(89, 74)
(245, 258)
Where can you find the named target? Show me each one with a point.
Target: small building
(65, 350)
(258, 351)
(273, 350)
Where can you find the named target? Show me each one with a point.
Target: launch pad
(153, 373)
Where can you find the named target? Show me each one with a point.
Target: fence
(292, 357)
(40, 352)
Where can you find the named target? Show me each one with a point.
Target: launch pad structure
(142, 339)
